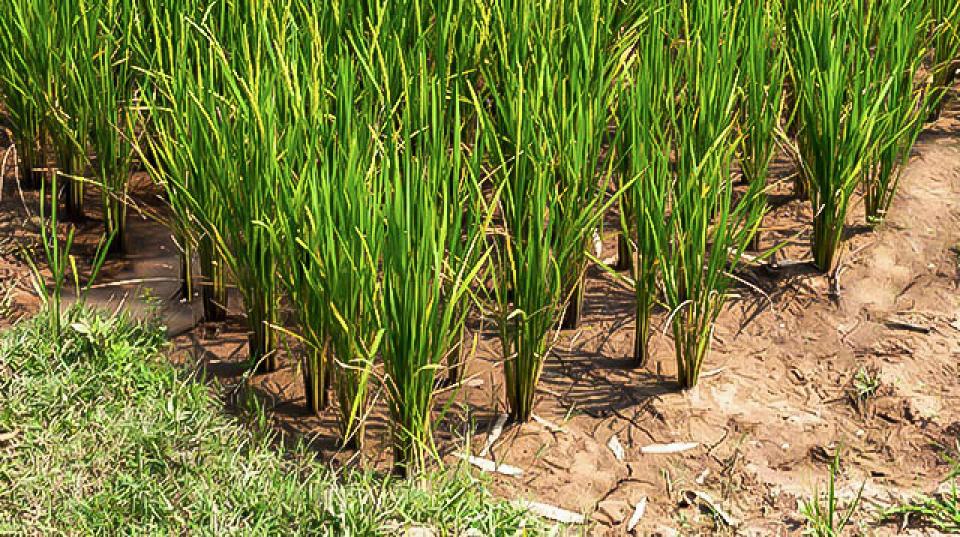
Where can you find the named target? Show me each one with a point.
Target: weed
(823, 514)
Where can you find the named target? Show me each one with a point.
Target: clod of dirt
(612, 512)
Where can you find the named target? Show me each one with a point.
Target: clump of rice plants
(102, 71)
(331, 232)
(839, 105)
(900, 30)
(23, 104)
(585, 60)
(423, 295)
(229, 125)
(708, 227)
(177, 160)
(43, 45)
(549, 200)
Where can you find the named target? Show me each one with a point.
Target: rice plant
(839, 105)
(525, 280)
(23, 104)
(585, 60)
(550, 110)
(647, 110)
(900, 31)
(177, 161)
(423, 296)
(103, 73)
(331, 232)
(708, 227)
(945, 18)
(43, 48)
(69, 116)
(222, 144)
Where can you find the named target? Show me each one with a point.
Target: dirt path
(770, 413)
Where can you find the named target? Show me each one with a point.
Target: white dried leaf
(552, 427)
(663, 449)
(491, 466)
(551, 512)
(616, 447)
(495, 433)
(638, 512)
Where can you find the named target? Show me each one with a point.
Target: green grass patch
(100, 435)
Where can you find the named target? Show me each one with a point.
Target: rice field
(368, 181)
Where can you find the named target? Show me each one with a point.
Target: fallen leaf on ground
(638, 512)
(552, 512)
(662, 449)
(495, 433)
(488, 465)
(616, 447)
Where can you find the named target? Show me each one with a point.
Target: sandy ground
(774, 406)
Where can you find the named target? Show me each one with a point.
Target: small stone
(613, 512)
(419, 531)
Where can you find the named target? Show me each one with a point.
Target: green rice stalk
(69, 117)
(763, 69)
(644, 141)
(527, 290)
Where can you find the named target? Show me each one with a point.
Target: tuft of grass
(940, 511)
(866, 383)
(863, 387)
(823, 513)
(101, 436)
